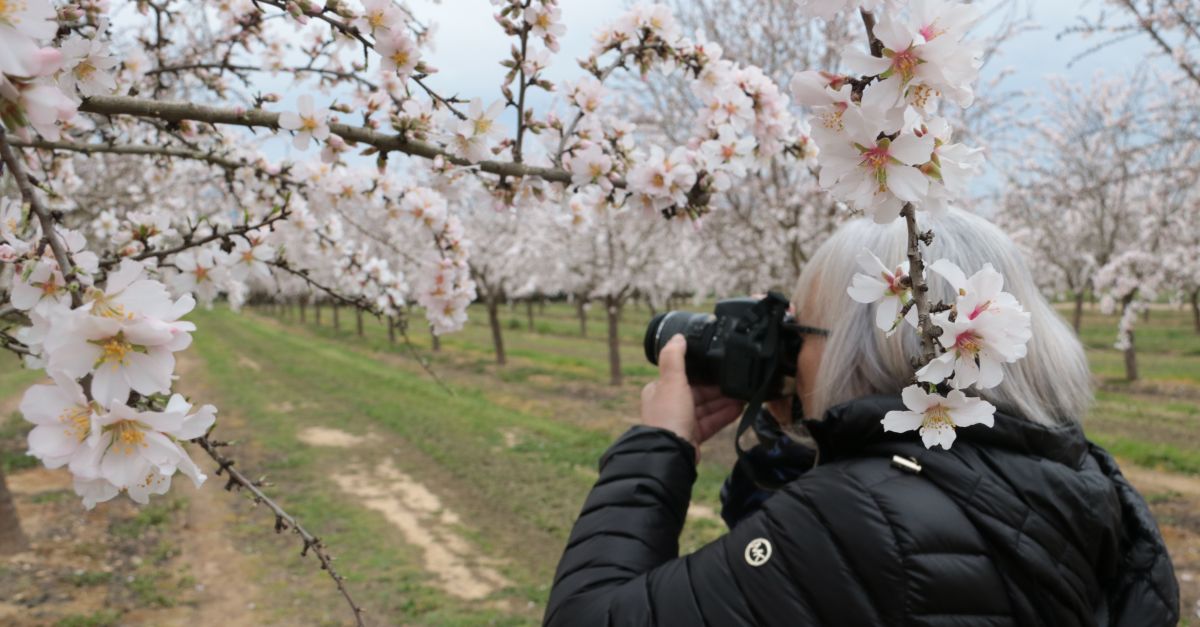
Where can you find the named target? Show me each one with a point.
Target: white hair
(1050, 386)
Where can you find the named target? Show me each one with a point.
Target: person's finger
(648, 390)
(710, 424)
(715, 404)
(671, 366)
(703, 393)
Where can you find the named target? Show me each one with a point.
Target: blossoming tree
(97, 291)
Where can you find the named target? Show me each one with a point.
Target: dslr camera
(747, 347)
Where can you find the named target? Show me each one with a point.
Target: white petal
(937, 370)
(901, 421)
(951, 272)
(907, 183)
(886, 312)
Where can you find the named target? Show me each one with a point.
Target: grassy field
(448, 503)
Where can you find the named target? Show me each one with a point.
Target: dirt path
(1175, 501)
(457, 567)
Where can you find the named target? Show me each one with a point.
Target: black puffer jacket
(1016, 525)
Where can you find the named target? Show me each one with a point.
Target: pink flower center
(968, 342)
(905, 63)
(980, 308)
(876, 159)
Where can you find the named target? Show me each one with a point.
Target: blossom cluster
(742, 123)
(982, 330)
(41, 84)
(882, 144)
(108, 342)
(1129, 282)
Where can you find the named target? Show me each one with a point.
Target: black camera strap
(774, 308)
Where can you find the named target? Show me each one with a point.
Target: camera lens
(664, 326)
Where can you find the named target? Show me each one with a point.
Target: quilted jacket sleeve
(621, 564)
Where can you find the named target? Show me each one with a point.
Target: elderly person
(1024, 523)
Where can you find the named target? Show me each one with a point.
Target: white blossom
(938, 416)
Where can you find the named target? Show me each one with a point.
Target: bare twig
(283, 520)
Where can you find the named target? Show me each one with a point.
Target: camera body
(746, 346)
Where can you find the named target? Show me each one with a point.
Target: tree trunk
(579, 309)
(1077, 317)
(1131, 368)
(358, 321)
(303, 307)
(337, 321)
(1196, 308)
(391, 322)
(529, 314)
(317, 312)
(1146, 313)
(12, 539)
(437, 340)
(493, 307)
(612, 307)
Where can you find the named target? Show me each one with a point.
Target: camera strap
(774, 307)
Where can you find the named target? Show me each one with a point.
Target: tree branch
(44, 217)
(283, 520)
(258, 118)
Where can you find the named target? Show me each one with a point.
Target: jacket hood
(1069, 534)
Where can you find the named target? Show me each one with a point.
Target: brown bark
(358, 321)
(303, 307)
(391, 324)
(337, 320)
(1196, 309)
(1077, 316)
(582, 313)
(1131, 367)
(493, 308)
(529, 315)
(317, 313)
(12, 539)
(612, 306)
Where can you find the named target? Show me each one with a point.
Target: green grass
(279, 379)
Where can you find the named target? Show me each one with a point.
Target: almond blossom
(63, 418)
(861, 165)
(924, 56)
(124, 336)
(985, 329)
(590, 165)
(22, 26)
(663, 179)
(887, 288)
(936, 416)
(138, 451)
(473, 137)
(309, 123)
(545, 21)
(378, 15)
(198, 274)
(87, 67)
(398, 52)
(250, 259)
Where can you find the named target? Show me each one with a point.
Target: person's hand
(692, 413)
